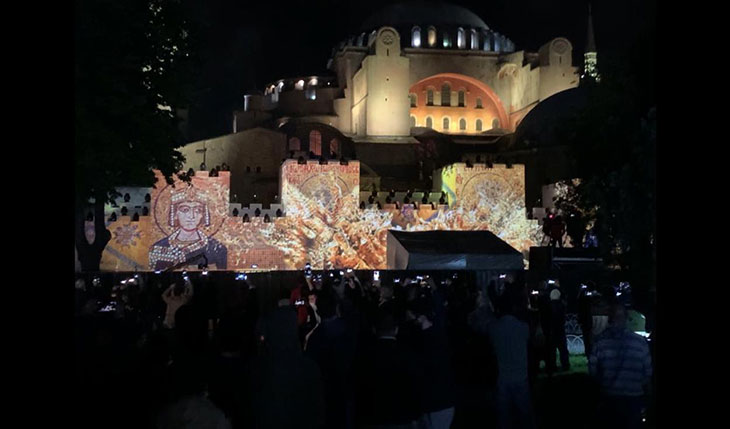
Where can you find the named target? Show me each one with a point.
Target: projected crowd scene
(322, 223)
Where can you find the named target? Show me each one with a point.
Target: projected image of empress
(188, 244)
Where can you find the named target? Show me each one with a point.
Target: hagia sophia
(418, 89)
(411, 77)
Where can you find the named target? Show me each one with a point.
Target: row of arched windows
(445, 98)
(470, 39)
(446, 123)
(491, 41)
(315, 144)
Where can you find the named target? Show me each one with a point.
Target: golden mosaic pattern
(323, 223)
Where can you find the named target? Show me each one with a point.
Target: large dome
(406, 14)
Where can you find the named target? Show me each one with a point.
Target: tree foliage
(133, 64)
(613, 150)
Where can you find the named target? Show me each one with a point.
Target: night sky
(244, 44)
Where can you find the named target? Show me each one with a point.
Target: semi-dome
(405, 14)
(538, 127)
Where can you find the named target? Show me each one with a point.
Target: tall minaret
(590, 57)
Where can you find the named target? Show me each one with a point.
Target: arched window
(445, 95)
(430, 97)
(462, 124)
(429, 122)
(295, 144)
(335, 146)
(431, 36)
(315, 142)
(416, 37)
(372, 37)
(446, 123)
(487, 42)
(414, 99)
(413, 121)
(497, 42)
(474, 39)
(479, 124)
(462, 97)
(446, 40)
(460, 38)
(479, 102)
(360, 39)
(495, 123)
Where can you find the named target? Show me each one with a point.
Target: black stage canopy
(451, 250)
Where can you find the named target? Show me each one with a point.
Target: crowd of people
(338, 351)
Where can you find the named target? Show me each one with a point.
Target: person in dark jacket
(510, 336)
(387, 386)
(332, 345)
(285, 389)
(557, 339)
(437, 383)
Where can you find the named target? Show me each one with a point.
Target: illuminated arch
(490, 97)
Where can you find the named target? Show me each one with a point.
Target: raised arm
(166, 294)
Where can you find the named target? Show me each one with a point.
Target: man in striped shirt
(621, 364)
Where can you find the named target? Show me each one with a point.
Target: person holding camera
(175, 297)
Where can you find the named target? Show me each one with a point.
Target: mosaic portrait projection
(190, 224)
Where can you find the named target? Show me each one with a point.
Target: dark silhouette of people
(509, 336)
(556, 339)
(388, 375)
(286, 388)
(621, 364)
(279, 213)
(127, 197)
(557, 231)
(333, 346)
(245, 218)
